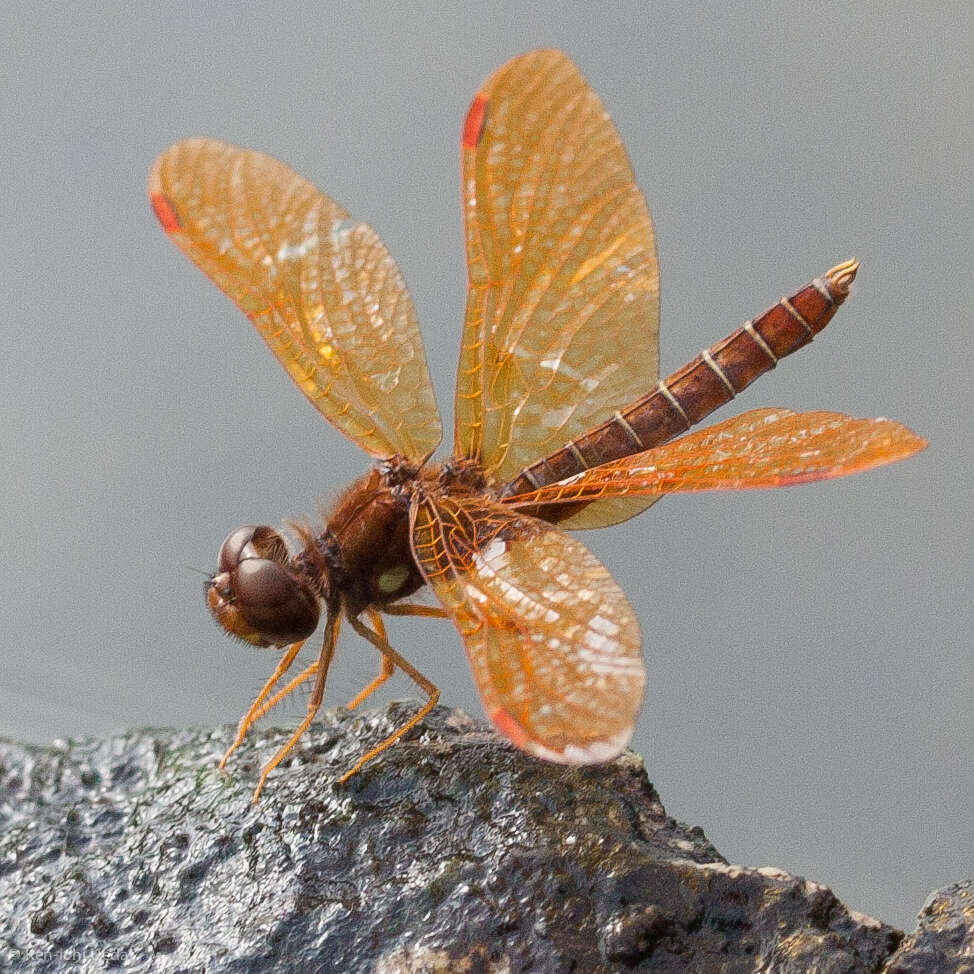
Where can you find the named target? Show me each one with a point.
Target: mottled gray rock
(944, 938)
(452, 852)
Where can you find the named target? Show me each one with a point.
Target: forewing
(320, 287)
(563, 303)
(553, 644)
(761, 448)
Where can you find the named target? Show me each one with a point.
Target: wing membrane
(321, 288)
(563, 302)
(761, 448)
(553, 644)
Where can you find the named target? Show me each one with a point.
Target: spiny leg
(324, 661)
(386, 670)
(254, 714)
(387, 667)
(413, 609)
(429, 688)
(305, 674)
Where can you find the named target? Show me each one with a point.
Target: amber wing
(553, 644)
(760, 448)
(563, 302)
(320, 287)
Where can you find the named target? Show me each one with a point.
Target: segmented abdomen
(713, 378)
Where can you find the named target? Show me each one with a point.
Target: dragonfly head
(257, 594)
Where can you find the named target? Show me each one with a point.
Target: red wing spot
(165, 213)
(807, 477)
(509, 727)
(473, 127)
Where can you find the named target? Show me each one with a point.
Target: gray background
(809, 650)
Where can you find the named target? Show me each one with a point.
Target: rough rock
(944, 938)
(450, 853)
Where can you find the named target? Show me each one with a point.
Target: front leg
(253, 715)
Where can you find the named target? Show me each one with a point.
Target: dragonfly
(561, 421)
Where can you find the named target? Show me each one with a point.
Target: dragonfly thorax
(371, 559)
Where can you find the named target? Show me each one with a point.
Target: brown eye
(252, 541)
(257, 595)
(274, 602)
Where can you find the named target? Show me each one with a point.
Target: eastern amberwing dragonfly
(560, 422)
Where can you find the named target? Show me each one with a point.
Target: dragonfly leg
(412, 609)
(292, 685)
(314, 704)
(427, 686)
(387, 667)
(255, 712)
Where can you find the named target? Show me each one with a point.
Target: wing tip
(164, 211)
(473, 126)
(598, 751)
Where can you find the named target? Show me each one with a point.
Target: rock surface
(451, 853)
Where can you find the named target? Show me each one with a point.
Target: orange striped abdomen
(713, 378)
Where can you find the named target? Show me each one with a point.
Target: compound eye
(252, 541)
(273, 602)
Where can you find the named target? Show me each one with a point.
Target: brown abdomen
(713, 378)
